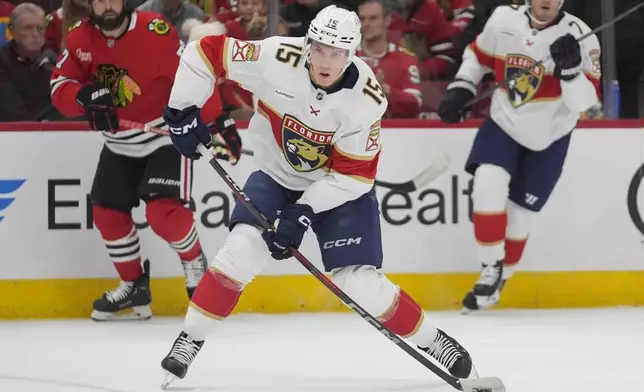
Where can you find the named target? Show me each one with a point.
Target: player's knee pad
(491, 188)
(367, 286)
(243, 255)
(113, 224)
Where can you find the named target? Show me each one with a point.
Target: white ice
(598, 350)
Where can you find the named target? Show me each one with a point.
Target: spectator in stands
(25, 66)
(59, 22)
(252, 22)
(422, 28)
(459, 13)
(299, 14)
(482, 11)
(629, 43)
(395, 67)
(47, 5)
(175, 11)
(5, 11)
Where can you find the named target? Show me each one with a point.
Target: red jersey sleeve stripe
(274, 118)
(213, 51)
(359, 168)
(484, 58)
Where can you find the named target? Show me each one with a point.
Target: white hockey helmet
(528, 4)
(335, 27)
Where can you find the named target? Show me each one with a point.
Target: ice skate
(449, 353)
(176, 363)
(487, 290)
(193, 272)
(134, 296)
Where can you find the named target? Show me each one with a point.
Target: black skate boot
(176, 363)
(487, 290)
(193, 272)
(129, 295)
(449, 353)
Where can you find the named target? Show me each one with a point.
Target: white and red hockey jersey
(323, 142)
(538, 108)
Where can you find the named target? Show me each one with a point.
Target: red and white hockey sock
(519, 222)
(121, 240)
(173, 222)
(214, 299)
(405, 318)
(490, 195)
(489, 231)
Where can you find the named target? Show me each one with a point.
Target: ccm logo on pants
(342, 242)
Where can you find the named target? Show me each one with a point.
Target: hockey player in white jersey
(317, 147)
(518, 153)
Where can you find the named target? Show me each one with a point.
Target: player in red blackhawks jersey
(316, 138)
(422, 21)
(395, 67)
(519, 152)
(120, 64)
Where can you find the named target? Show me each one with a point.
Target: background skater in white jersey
(317, 148)
(519, 152)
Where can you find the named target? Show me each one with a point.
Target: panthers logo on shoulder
(159, 26)
(522, 90)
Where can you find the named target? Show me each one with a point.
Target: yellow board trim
(72, 298)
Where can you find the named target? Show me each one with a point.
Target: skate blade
(136, 313)
(485, 384)
(465, 311)
(168, 379)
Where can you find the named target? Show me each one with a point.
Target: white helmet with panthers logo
(335, 27)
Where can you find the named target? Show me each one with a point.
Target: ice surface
(597, 350)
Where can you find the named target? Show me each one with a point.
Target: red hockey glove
(226, 141)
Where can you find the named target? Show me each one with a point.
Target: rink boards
(586, 248)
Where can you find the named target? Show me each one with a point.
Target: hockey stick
(525, 71)
(488, 384)
(437, 167)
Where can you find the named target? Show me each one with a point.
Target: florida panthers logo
(523, 89)
(305, 149)
(123, 87)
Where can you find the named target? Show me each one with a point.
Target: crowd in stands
(414, 46)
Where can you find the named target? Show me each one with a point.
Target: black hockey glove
(566, 54)
(98, 102)
(187, 130)
(230, 148)
(452, 107)
(293, 221)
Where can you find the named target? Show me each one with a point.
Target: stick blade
(438, 166)
(485, 384)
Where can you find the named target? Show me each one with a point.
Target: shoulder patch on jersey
(245, 51)
(595, 58)
(48, 19)
(75, 25)
(159, 26)
(373, 142)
